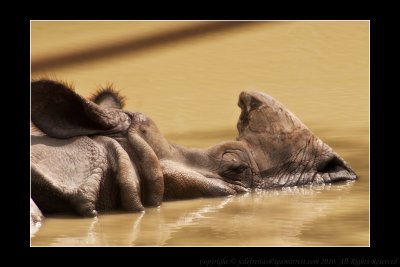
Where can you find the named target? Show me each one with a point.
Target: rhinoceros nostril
(331, 164)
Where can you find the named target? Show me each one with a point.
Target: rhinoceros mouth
(337, 176)
(290, 174)
(335, 169)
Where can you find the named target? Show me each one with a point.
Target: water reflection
(277, 217)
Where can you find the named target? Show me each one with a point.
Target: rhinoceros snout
(333, 168)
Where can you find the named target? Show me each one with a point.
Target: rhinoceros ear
(108, 97)
(59, 112)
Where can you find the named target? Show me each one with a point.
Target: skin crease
(94, 156)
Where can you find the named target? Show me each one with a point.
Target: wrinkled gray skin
(95, 156)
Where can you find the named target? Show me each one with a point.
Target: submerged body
(96, 156)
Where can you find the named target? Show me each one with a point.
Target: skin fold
(94, 156)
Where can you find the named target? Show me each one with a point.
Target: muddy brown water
(318, 69)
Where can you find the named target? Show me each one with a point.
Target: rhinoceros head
(274, 148)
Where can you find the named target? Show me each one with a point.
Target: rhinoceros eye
(232, 165)
(238, 168)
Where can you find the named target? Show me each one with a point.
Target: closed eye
(235, 169)
(239, 169)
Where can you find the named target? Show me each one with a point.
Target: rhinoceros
(95, 156)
